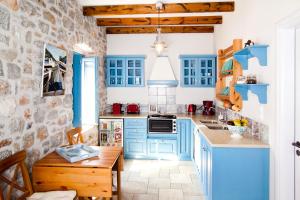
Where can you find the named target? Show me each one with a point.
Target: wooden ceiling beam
(151, 9)
(164, 29)
(163, 21)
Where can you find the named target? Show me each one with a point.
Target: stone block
(28, 140)
(42, 133)
(1, 69)
(27, 114)
(13, 71)
(4, 18)
(8, 54)
(56, 140)
(39, 116)
(24, 101)
(5, 154)
(5, 142)
(16, 125)
(4, 39)
(49, 17)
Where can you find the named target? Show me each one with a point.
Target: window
(85, 90)
(198, 71)
(125, 71)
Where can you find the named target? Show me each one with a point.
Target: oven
(164, 124)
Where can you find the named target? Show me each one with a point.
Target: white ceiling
(125, 2)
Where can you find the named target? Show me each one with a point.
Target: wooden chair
(24, 189)
(75, 136)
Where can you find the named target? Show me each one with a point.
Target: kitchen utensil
(191, 108)
(208, 108)
(116, 108)
(133, 108)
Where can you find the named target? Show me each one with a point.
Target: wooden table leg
(119, 176)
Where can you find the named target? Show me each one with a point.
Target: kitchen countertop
(216, 138)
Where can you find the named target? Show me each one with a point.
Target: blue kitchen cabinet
(135, 72)
(125, 71)
(162, 148)
(232, 173)
(115, 72)
(198, 70)
(184, 138)
(135, 138)
(135, 148)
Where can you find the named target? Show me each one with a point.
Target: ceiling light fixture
(159, 45)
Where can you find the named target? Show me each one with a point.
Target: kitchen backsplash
(256, 129)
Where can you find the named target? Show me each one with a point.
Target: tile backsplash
(163, 98)
(256, 129)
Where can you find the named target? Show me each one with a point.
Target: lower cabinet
(232, 173)
(135, 148)
(184, 138)
(162, 148)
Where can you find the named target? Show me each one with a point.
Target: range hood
(162, 74)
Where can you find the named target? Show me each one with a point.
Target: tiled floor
(160, 180)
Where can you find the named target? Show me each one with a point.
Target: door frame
(285, 105)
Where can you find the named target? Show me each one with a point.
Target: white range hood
(162, 74)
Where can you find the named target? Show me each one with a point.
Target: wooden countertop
(216, 138)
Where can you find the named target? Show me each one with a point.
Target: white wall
(257, 20)
(178, 44)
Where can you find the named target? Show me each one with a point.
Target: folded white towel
(57, 195)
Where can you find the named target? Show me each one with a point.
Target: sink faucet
(226, 115)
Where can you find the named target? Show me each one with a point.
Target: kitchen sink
(218, 127)
(209, 121)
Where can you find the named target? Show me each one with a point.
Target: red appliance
(133, 108)
(116, 108)
(208, 108)
(191, 108)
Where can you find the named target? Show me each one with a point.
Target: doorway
(288, 107)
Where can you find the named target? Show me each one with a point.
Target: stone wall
(28, 121)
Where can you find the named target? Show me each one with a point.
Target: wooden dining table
(92, 177)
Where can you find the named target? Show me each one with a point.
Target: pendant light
(159, 45)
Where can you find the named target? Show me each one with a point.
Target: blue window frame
(85, 75)
(125, 71)
(198, 70)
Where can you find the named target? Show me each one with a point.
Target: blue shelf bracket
(258, 89)
(243, 90)
(258, 51)
(261, 91)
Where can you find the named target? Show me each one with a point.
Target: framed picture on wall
(54, 69)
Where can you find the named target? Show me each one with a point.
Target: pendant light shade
(159, 45)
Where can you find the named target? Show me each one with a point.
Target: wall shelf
(259, 89)
(259, 51)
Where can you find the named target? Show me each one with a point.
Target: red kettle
(191, 108)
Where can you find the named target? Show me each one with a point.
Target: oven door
(160, 126)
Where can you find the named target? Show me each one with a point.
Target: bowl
(237, 131)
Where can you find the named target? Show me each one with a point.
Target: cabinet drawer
(135, 123)
(135, 133)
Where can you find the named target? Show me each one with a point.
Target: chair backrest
(17, 160)
(75, 136)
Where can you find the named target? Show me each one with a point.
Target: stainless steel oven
(165, 124)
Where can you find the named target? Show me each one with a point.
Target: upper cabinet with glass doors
(125, 71)
(198, 70)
